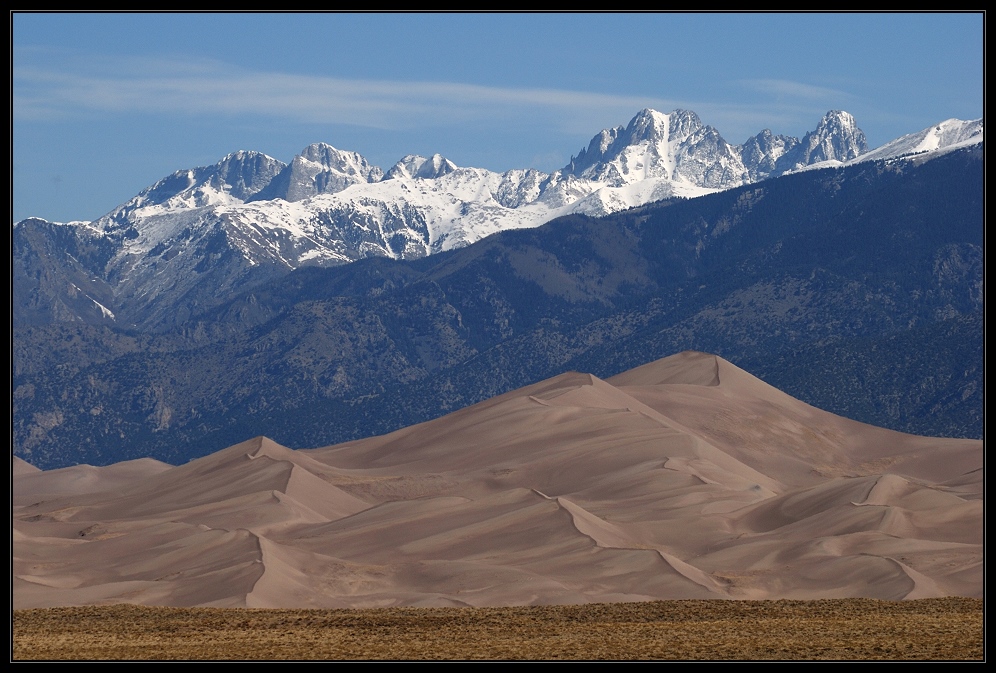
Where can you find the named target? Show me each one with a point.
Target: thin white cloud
(195, 89)
(789, 89)
(61, 88)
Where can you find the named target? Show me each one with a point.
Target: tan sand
(686, 478)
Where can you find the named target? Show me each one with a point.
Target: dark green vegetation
(857, 290)
(929, 629)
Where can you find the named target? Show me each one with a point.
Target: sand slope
(684, 478)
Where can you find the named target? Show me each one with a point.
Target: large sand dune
(684, 478)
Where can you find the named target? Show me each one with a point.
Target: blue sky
(106, 104)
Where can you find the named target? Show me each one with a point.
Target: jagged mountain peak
(841, 125)
(648, 127)
(417, 166)
(836, 138)
(175, 231)
(320, 168)
(837, 119)
(237, 177)
(761, 153)
(683, 123)
(242, 155)
(648, 124)
(651, 125)
(676, 146)
(245, 172)
(343, 161)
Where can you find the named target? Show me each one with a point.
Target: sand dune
(684, 478)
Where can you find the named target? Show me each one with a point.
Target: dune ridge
(684, 478)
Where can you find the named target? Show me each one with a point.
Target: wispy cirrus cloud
(196, 88)
(786, 89)
(54, 88)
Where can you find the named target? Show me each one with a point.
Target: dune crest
(684, 478)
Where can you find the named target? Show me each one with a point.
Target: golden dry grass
(930, 629)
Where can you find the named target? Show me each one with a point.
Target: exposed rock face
(195, 235)
(836, 138)
(319, 169)
(761, 153)
(868, 278)
(415, 166)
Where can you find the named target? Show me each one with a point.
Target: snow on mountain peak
(341, 161)
(649, 125)
(838, 118)
(949, 134)
(682, 124)
(330, 206)
(244, 173)
(417, 166)
(320, 168)
(837, 137)
(658, 146)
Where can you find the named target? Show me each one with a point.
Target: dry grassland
(930, 629)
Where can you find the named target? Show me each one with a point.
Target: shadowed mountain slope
(814, 281)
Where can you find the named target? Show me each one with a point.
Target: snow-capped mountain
(946, 136)
(319, 169)
(233, 180)
(836, 138)
(414, 166)
(195, 237)
(675, 147)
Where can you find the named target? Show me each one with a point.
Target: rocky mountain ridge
(858, 289)
(187, 241)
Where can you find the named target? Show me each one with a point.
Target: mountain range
(326, 300)
(195, 237)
